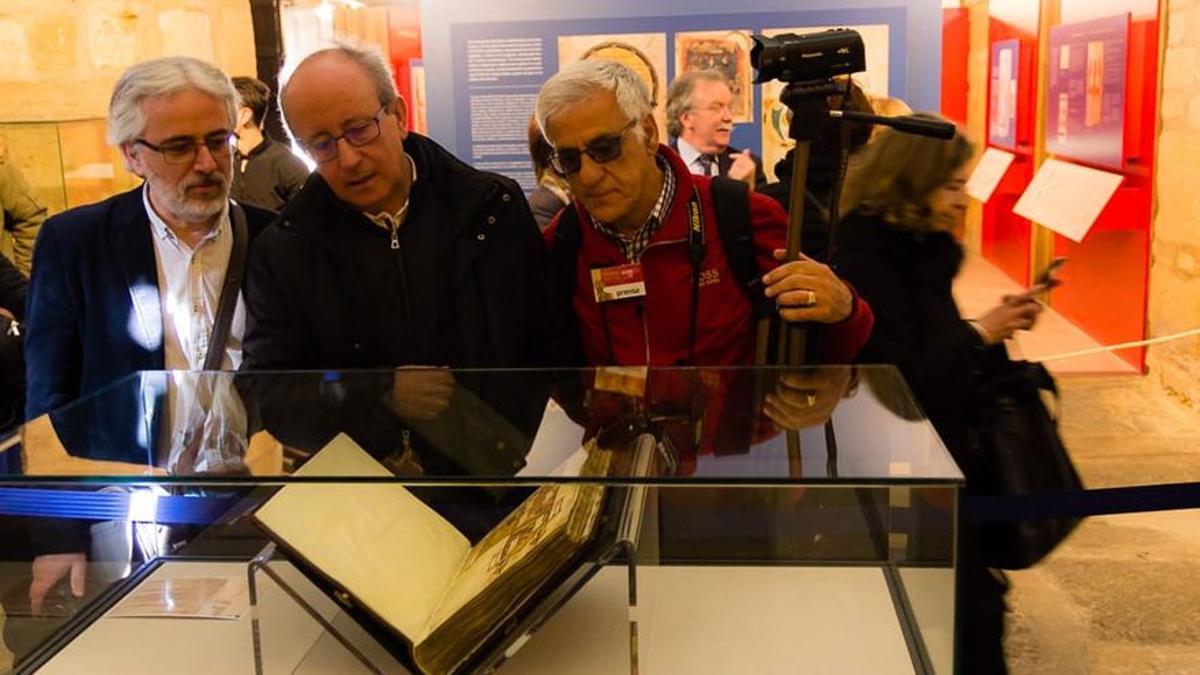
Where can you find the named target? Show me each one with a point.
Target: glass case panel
(694, 516)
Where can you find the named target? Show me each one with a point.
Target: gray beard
(194, 210)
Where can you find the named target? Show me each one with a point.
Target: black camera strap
(696, 247)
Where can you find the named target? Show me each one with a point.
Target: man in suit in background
(134, 282)
(700, 119)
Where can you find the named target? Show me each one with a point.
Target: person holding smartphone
(898, 244)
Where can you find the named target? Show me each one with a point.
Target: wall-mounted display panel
(1085, 94)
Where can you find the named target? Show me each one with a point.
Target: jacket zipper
(406, 302)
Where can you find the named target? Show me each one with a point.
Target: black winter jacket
(466, 288)
(907, 276)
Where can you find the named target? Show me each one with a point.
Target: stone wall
(1175, 249)
(60, 58)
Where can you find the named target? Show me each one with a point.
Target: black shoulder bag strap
(229, 290)
(731, 201)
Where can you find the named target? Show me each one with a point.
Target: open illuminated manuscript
(391, 555)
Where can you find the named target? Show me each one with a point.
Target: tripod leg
(792, 337)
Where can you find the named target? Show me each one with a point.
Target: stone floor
(1122, 595)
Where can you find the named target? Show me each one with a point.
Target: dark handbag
(1019, 452)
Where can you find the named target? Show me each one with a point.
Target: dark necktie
(707, 161)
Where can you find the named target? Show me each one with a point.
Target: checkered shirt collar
(634, 246)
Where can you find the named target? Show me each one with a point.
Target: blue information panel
(499, 67)
(1002, 114)
(1085, 94)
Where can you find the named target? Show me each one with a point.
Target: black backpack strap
(731, 201)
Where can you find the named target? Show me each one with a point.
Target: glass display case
(615, 520)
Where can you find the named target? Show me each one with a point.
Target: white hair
(584, 79)
(366, 56)
(679, 100)
(163, 77)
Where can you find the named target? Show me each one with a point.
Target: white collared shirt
(392, 221)
(205, 423)
(691, 157)
(189, 289)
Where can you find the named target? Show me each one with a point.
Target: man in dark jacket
(133, 283)
(395, 253)
(265, 173)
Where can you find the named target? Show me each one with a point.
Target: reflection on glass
(822, 424)
(826, 477)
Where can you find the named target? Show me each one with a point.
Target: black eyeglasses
(324, 147)
(567, 161)
(184, 150)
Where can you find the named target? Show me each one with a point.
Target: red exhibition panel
(1107, 279)
(404, 44)
(1006, 237)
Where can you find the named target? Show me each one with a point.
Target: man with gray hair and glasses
(700, 121)
(395, 252)
(147, 279)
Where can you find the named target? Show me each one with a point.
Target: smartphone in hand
(1042, 284)
(1047, 278)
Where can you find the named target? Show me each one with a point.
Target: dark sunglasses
(567, 161)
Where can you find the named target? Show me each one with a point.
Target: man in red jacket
(653, 283)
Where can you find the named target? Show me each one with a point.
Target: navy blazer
(94, 313)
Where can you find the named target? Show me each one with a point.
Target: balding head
(368, 60)
(341, 107)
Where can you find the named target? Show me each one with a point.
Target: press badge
(627, 380)
(619, 282)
